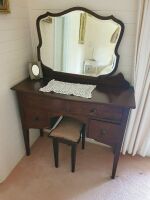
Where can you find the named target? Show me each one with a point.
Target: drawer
(106, 112)
(52, 105)
(103, 112)
(36, 118)
(110, 113)
(104, 132)
(47, 103)
(80, 108)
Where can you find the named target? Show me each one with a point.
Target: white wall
(124, 10)
(15, 52)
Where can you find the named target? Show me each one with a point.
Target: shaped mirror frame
(50, 72)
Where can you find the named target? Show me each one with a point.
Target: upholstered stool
(68, 131)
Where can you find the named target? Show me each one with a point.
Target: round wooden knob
(93, 110)
(36, 118)
(103, 132)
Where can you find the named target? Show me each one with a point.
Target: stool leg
(41, 133)
(56, 151)
(83, 137)
(73, 157)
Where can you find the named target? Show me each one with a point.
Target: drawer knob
(103, 132)
(93, 110)
(36, 119)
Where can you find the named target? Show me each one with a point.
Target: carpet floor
(36, 178)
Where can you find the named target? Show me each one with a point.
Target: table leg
(116, 159)
(41, 133)
(114, 149)
(26, 141)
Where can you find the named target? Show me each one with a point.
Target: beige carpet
(35, 177)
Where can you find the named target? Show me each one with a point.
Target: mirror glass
(35, 70)
(79, 43)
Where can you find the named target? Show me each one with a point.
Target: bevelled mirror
(78, 41)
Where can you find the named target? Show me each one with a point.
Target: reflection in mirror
(35, 70)
(79, 43)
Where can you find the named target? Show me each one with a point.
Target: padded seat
(68, 131)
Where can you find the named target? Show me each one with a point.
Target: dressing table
(106, 113)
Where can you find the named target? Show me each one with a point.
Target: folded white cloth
(75, 89)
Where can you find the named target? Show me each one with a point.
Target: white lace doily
(75, 89)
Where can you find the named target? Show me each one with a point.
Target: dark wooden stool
(69, 131)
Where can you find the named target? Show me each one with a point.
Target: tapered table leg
(83, 137)
(41, 133)
(73, 157)
(114, 149)
(116, 159)
(26, 141)
(56, 152)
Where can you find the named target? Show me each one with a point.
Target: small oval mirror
(35, 70)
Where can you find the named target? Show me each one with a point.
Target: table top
(123, 97)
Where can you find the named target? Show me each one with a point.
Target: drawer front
(105, 112)
(36, 119)
(104, 132)
(49, 104)
(62, 107)
(110, 113)
(80, 108)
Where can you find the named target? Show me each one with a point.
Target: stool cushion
(68, 129)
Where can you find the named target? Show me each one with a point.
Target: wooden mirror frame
(48, 73)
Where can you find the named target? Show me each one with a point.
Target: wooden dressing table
(105, 114)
